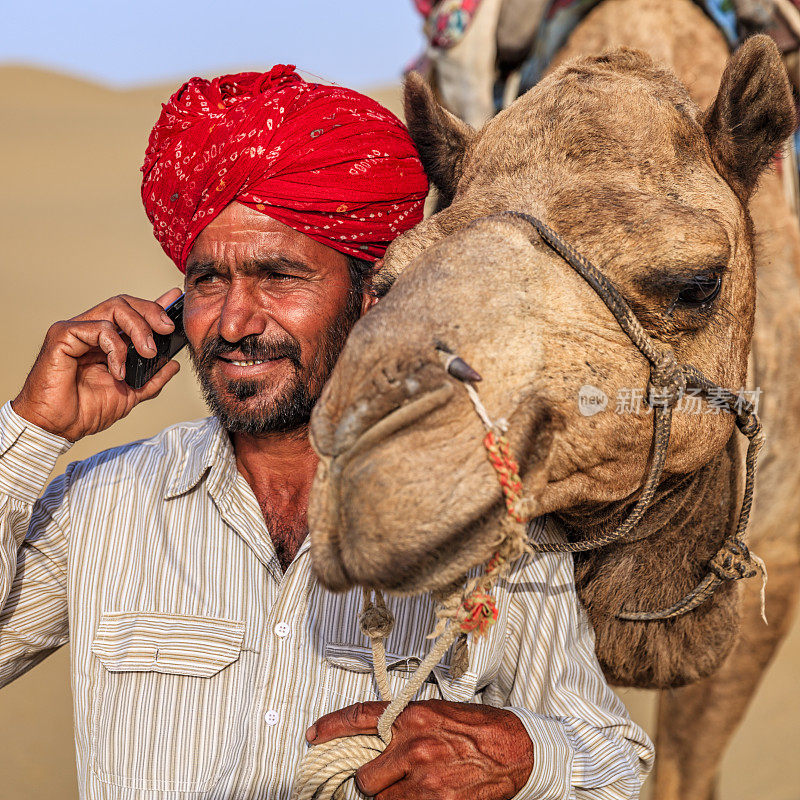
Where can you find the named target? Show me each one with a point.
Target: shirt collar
(208, 448)
(208, 452)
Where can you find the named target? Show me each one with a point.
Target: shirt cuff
(28, 456)
(551, 775)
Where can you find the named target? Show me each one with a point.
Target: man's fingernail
(151, 343)
(311, 733)
(166, 319)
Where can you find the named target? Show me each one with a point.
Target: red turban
(327, 161)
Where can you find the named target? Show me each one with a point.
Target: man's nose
(243, 313)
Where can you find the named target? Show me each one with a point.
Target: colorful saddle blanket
(447, 20)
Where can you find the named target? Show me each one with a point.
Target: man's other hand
(76, 386)
(451, 751)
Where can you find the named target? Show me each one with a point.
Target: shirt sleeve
(33, 546)
(585, 745)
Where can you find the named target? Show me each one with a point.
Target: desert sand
(74, 233)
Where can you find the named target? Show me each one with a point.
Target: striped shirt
(197, 664)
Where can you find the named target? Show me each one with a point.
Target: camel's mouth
(409, 500)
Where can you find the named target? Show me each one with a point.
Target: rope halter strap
(667, 384)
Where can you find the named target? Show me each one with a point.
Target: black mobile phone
(138, 369)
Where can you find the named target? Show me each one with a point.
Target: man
(205, 657)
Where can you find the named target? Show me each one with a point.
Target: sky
(125, 43)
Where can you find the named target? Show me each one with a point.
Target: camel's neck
(676, 33)
(690, 514)
(685, 526)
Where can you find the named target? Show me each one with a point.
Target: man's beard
(291, 409)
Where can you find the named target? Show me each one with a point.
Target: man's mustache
(252, 348)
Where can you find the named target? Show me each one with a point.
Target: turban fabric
(327, 161)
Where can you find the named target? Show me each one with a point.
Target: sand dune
(73, 233)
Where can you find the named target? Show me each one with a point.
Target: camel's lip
(484, 501)
(394, 421)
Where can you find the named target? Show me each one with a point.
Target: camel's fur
(615, 155)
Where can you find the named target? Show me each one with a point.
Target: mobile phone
(138, 369)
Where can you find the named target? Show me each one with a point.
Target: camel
(615, 155)
(678, 34)
(502, 52)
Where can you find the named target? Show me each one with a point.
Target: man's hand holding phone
(77, 384)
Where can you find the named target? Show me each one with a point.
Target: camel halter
(465, 608)
(668, 381)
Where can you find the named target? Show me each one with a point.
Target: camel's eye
(700, 291)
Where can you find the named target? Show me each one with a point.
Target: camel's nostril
(351, 424)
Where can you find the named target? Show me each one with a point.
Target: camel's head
(612, 153)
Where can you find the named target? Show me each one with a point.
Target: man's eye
(700, 291)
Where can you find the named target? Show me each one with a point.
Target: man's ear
(368, 296)
(751, 116)
(440, 137)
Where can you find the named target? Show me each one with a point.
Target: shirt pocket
(350, 679)
(168, 692)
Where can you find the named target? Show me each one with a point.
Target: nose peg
(458, 368)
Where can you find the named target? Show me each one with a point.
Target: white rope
(480, 408)
(326, 767)
(759, 562)
(377, 636)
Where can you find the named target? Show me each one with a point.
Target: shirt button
(282, 630)
(271, 717)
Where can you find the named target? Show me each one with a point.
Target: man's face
(267, 312)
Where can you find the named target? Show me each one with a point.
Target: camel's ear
(440, 137)
(752, 115)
